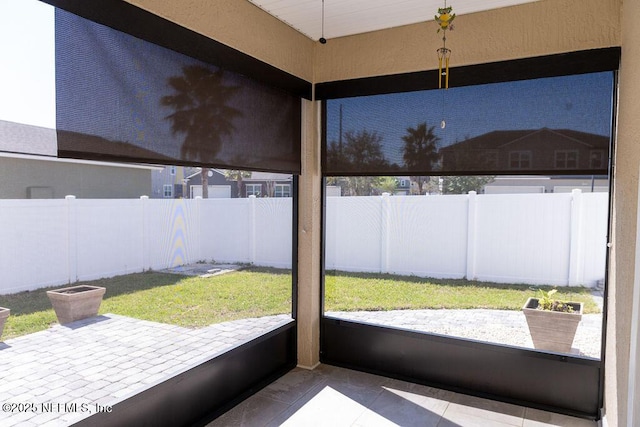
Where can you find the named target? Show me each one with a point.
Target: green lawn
(353, 291)
(255, 292)
(166, 298)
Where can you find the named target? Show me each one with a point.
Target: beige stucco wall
(533, 29)
(243, 26)
(540, 28)
(309, 240)
(627, 161)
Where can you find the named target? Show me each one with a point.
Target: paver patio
(62, 375)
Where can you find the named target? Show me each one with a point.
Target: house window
(491, 159)
(597, 159)
(167, 191)
(520, 160)
(253, 190)
(566, 159)
(282, 190)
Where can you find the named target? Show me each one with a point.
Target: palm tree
(201, 113)
(420, 151)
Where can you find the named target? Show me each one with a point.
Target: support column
(622, 271)
(309, 239)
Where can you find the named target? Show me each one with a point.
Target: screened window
(124, 223)
(398, 260)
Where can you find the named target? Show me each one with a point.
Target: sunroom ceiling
(348, 17)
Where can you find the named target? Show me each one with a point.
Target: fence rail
(529, 238)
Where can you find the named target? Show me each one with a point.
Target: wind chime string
(443, 123)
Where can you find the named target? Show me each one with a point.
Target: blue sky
(27, 79)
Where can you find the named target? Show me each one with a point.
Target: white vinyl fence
(556, 239)
(526, 238)
(55, 242)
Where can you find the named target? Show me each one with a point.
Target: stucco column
(622, 268)
(309, 239)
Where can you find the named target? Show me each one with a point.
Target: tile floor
(332, 396)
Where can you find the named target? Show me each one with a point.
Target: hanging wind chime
(444, 18)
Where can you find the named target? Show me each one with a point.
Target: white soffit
(348, 17)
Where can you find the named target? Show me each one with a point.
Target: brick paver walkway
(64, 374)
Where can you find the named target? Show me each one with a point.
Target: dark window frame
(375, 348)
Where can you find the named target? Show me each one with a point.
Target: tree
(237, 176)
(420, 152)
(201, 113)
(204, 178)
(464, 184)
(271, 188)
(360, 151)
(363, 150)
(388, 184)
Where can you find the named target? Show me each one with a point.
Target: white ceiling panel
(348, 17)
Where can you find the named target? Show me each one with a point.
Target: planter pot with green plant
(76, 302)
(552, 323)
(4, 314)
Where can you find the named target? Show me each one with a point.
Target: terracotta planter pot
(76, 302)
(552, 330)
(4, 314)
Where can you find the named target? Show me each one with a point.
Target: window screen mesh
(124, 99)
(559, 125)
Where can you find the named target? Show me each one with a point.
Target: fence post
(196, 234)
(576, 256)
(252, 229)
(72, 236)
(384, 233)
(146, 256)
(471, 235)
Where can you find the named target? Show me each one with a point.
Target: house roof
(18, 140)
(27, 139)
(500, 139)
(80, 145)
